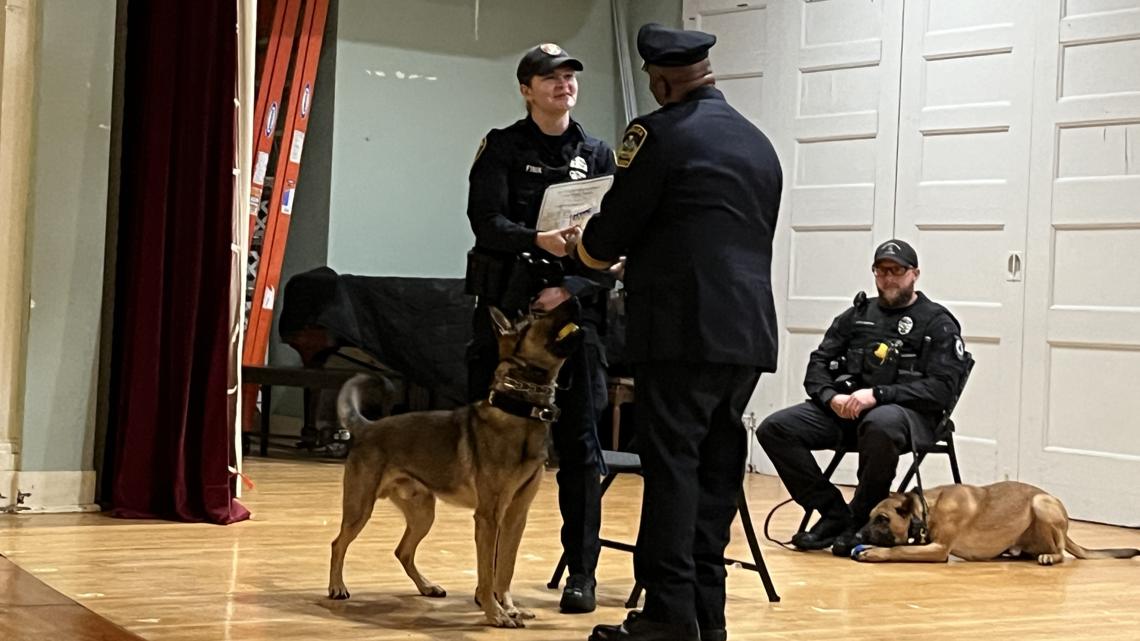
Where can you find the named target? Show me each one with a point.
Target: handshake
(559, 242)
(564, 242)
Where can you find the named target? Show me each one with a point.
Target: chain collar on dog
(512, 384)
(523, 408)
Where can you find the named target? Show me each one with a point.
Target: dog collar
(521, 408)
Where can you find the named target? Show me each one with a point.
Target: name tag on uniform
(531, 169)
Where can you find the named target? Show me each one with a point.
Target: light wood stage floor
(265, 579)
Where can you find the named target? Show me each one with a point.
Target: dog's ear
(902, 504)
(502, 325)
(912, 504)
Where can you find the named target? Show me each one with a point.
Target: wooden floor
(265, 579)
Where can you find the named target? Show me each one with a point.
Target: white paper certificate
(572, 203)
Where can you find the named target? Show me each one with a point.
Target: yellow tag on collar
(567, 329)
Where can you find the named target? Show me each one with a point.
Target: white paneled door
(1003, 140)
(1080, 414)
(961, 199)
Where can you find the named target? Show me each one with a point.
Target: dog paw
(434, 591)
(868, 554)
(1049, 559)
(502, 620)
(338, 592)
(516, 612)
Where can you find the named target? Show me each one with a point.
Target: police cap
(544, 59)
(898, 251)
(666, 47)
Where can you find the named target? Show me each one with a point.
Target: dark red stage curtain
(169, 439)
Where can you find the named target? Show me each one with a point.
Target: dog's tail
(1107, 553)
(360, 393)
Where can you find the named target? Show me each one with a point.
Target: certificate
(572, 203)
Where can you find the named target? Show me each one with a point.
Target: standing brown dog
(487, 456)
(976, 524)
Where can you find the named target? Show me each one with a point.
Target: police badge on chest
(578, 168)
(906, 323)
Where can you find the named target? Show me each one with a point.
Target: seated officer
(886, 370)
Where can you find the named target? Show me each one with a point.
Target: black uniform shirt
(512, 169)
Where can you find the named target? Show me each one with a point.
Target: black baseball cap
(544, 59)
(898, 251)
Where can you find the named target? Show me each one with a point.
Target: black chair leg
(754, 545)
(634, 596)
(911, 471)
(953, 459)
(558, 571)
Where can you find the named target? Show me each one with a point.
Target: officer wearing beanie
(887, 369)
(516, 268)
(693, 208)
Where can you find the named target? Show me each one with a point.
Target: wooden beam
(21, 29)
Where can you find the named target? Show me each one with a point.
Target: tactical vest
(886, 346)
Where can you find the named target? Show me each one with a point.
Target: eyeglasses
(893, 271)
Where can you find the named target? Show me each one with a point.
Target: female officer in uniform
(512, 169)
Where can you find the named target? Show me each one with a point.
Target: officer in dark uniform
(514, 267)
(693, 208)
(884, 373)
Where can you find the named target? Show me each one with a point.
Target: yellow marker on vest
(881, 352)
(567, 329)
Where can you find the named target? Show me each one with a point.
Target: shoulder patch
(479, 152)
(630, 144)
(959, 348)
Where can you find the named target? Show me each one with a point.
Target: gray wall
(67, 223)
(639, 12)
(402, 147)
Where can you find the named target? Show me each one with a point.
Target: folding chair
(629, 463)
(944, 444)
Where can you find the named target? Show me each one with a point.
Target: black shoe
(822, 534)
(714, 634)
(846, 541)
(578, 596)
(637, 628)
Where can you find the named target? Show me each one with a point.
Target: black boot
(846, 541)
(638, 628)
(823, 533)
(578, 596)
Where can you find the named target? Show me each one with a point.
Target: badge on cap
(551, 49)
(630, 144)
(905, 325)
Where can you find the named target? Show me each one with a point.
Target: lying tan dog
(487, 456)
(976, 524)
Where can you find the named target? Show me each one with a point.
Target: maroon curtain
(168, 436)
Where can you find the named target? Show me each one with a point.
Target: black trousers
(790, 435)
(693, 447)
(581, 398)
